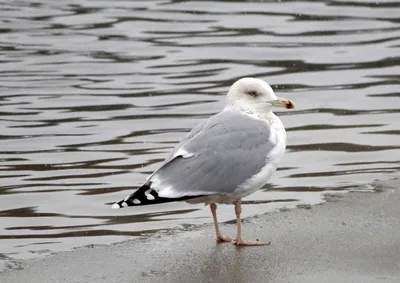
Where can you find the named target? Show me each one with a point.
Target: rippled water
(94, 94)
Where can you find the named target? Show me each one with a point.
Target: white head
(255, 96)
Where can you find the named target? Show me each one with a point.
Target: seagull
(227, 157)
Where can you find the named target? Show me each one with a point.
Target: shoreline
(352, 237)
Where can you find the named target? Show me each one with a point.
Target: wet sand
(353, 237)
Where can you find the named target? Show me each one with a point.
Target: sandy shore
(351, 238)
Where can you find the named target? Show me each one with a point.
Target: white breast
(257, 181)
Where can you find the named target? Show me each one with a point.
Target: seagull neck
(266, 115)
(270, 118)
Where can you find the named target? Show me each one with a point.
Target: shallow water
(95, 94)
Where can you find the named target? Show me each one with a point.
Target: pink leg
(219, 237)
(238, 241)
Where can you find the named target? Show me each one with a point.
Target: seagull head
(255, 96)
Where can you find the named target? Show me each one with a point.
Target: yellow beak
(282, 102)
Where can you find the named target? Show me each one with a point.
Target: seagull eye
(252, 93)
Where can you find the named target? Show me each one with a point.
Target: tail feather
(145, 195)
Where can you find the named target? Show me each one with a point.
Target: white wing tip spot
(136, 201)
(148, 195)
(115, 206)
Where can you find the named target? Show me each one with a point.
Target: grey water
(94, 94)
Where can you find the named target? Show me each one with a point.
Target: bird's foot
(223, 239)
(240, 242)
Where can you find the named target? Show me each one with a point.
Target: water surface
(94, 94)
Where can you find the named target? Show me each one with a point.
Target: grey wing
(196, 130)
(222, 153)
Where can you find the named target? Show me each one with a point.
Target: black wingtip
(145, 195)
